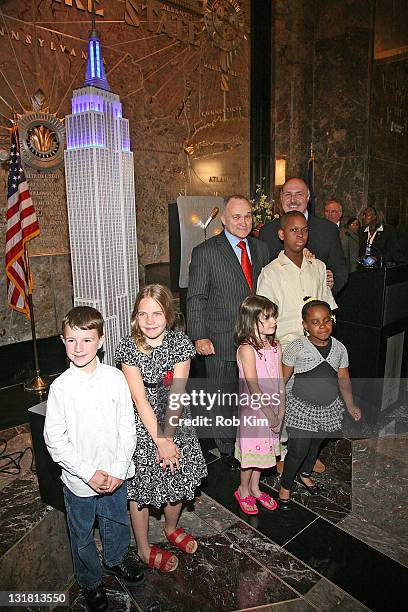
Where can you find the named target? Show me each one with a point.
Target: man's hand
(113, 483)
(99, 481)
(329, 279)
(204, 347)
(355, 412)
(308, 254)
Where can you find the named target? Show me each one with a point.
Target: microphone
(212, 216)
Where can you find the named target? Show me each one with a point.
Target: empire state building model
(101, 201)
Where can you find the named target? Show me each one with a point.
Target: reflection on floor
(345, 550)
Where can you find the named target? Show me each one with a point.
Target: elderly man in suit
(333, 211)
(324, 240)
(224, 270)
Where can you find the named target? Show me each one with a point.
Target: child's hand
(168, 454)
(355, 412)
(99, 481)
(113, 483)
(274, 421)
(169, 462)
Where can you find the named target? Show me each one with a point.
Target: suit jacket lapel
(256, 261)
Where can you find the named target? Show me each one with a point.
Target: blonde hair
(162, 295)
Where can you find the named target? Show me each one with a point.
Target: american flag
(22, 226)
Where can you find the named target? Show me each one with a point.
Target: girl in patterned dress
(314, 406)
(262, 399)
(168, 459)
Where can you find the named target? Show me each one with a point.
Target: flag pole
(310, 179)
(38, 383)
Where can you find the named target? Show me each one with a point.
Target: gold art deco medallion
(42, 137)
(224, 23)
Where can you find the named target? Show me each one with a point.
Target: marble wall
(322, 94)
(388, 168)
(343, 56)
(292, 82)
(331, 90)
(182, 73)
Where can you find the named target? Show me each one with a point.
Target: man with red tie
(224, 270)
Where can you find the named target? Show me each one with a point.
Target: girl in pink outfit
(262, 399)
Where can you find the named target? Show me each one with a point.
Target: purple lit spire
(95, 71)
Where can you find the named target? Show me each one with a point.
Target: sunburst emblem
(42, 137)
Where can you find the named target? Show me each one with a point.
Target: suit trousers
(222, 379)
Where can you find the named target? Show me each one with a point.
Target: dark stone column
(293, 48)
(260, 125)
(342, 82)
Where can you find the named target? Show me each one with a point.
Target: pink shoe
(251, 501)
(267, 501)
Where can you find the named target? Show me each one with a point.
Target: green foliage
(262, 208)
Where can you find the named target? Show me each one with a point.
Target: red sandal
(249, 500)
(166, 556)
(267, 501)
(181, 544)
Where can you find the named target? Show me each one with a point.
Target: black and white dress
(314, 402)
(150, 485)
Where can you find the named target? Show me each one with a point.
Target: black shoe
(130, 574)
(230, 462)
(284, 504)
(96, 599)
(315, 490)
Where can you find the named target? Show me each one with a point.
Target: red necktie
(245, 263)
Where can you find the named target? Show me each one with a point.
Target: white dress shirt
(90, 425)
(285, 284)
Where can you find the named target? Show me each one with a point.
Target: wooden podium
(372, 322)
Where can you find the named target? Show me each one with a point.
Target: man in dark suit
(333, 211)
(221, 277)
(324, 240)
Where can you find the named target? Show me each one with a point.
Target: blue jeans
(111, 512)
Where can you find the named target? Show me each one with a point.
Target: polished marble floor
(344, 550)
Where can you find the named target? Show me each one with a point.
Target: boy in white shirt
(90, 432)
(291, 277)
